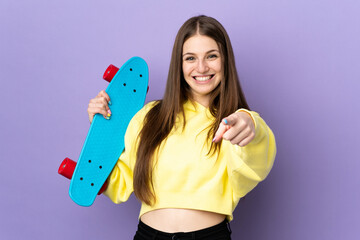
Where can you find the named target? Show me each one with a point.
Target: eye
(189, 59)
(213, 56)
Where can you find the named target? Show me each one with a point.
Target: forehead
(198, 44)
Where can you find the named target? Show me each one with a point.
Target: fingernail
(107, 117)
(214, 139)
(225, 121)
(109, 102)
(109, 112)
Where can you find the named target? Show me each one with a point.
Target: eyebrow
(213, 50)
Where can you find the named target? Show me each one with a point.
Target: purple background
(299, 64)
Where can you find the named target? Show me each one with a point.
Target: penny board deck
(105, 140)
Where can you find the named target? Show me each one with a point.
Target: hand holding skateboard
(99, 104)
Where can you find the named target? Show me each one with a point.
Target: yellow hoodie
(185, 176)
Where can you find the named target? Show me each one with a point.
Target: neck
(204, 101)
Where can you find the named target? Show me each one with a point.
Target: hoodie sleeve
(249, 165)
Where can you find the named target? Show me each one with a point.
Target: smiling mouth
(203, 78)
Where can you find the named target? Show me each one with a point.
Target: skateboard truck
(67, 168)
(111, 71)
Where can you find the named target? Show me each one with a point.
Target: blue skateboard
(105, 140)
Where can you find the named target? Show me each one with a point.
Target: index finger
(220, 132)
(104, 94)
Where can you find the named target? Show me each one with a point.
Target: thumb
(229, 120)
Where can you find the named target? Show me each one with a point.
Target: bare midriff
(181, 220)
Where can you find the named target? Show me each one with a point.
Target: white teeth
(202, 78)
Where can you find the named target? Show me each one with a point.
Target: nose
(202, 66)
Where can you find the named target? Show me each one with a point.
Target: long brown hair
(225, 99)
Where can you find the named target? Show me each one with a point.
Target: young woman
(191, 156)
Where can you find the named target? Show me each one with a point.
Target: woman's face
(202, 67)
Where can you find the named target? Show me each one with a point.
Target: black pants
(221, 231)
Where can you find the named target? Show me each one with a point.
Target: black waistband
(216, 229)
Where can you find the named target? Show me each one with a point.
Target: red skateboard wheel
(67, 168)
(103, 188)
(110, 72)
